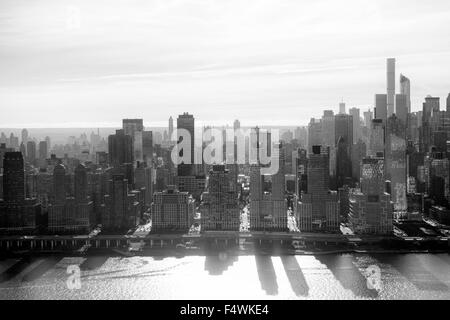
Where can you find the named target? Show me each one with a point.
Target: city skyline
(154, 61)
(239, 149)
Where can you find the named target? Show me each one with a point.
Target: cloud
(201, 55)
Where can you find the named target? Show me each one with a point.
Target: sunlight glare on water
(411, 276)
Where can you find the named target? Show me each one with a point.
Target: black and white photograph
(224, 150)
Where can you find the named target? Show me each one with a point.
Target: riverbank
(168, 252)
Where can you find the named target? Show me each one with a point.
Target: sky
(90, 63)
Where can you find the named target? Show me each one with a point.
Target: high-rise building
(328, 137)
(134, 129)
(431, 107)
(120, 146)
(43, 150)
(390, 87)
(236, 125)
(13, 178)
(357, 134)
(24, 136)
(368, 117)
(342, 108)
(359, 152)
(3, 150)
(395, 158)
(370, 207)
(314, 133)
(49, 145)
(172, 210)
(186, 121)
(344, 145)
(328, 129)
(17, 213)
(220, 208)
(381, 107)
(143, 180)
(318, 209)
(122, 209)
(377, 140)
(31, 151)
(59, 184)
(448, 103)
(70, 214)
(401, 108)
(170, 128)
(81, 184)
(300, 163)
(405, 89)
(131, 126)
(268, 210)
(439, 184)
(147, 146)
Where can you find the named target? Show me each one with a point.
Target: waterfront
(334, 276)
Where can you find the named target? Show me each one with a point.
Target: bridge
(99, 241)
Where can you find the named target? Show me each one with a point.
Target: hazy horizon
(91, 63)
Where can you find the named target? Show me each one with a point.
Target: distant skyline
(267, 62)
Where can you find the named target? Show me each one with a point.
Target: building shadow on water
(94, 262)
(16, 269)
(295, 276)
(412, 268)
(349, 276)
(217, 264)
(41, 269)
(266, 274)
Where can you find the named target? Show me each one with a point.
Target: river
(335, 276)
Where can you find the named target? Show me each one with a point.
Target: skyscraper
(186, 121)
(314, 133)
(144, 182)
(147, 146)
(43, 150)
(401, 107)
(318, 208)
(328, 129)
(170, 128)
(268, 210)
(395, 168)
(368, 117)
(220, 207)
(236, 125)
(81, 184)
(24, 136)
(357, 134)
(59, 184)
(31, 151)
(172, 210)
(377, 138)
(381, 111)
(448, 103)
(328, 137)
(342, 108)
(431, 107)
(405, 89)
(13, 178)
(16, 212)
(134, 129)
(370, 208)
(120, 148)
(344, 145)
(390, 86)
(122, 209)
